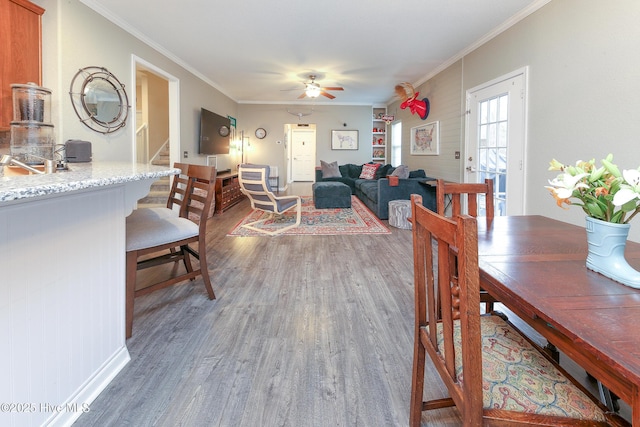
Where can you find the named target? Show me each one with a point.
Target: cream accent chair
(254, 183)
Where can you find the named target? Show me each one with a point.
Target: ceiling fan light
(312, 91)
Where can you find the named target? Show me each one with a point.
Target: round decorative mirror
(99, 99)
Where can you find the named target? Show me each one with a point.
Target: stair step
(142, 204)
(161, 161)
(158, 195)
(161, 184)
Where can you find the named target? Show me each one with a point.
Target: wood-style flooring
(305, 331)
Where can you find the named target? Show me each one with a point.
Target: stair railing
(160, 150)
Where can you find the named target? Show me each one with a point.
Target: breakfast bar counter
(80, 176)
(62, 287)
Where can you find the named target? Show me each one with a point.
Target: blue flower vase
(606, 242)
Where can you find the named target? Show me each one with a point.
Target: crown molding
(531, 8)
(97, 7)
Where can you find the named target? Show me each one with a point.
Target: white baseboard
(87, 393)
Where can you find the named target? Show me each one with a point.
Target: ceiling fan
(313, 89)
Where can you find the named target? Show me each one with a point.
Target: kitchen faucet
(6, 160)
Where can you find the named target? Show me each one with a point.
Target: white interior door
(496, 136)
(303, 153)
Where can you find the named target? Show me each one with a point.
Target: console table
(227, 191)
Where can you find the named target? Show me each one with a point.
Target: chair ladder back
(200, 192)
(457, 192)
(468, 192)
(178, 186)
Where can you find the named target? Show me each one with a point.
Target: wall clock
(261, 133)
(224, 130)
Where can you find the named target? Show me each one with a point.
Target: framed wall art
(425, 140)
(344, 139)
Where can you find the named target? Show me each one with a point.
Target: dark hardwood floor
(305, 331)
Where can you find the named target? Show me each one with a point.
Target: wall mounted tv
(214, 133)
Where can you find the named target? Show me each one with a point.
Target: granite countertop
(79, 176)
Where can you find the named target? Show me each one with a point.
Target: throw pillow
(383, 171)
(418, 173)
(354, 171)
(369, 170)
(330, 170)
(401, 172)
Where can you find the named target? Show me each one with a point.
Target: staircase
(159, 189)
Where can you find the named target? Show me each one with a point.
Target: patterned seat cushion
(516, 377)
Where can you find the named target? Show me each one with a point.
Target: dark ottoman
(331, 195)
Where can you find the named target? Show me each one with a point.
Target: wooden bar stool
(156, 234)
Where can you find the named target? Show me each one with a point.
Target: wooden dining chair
(493, 374)
(161, 239)
(174, 200)
(473, 196)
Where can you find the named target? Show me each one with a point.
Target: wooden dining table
(535, 266)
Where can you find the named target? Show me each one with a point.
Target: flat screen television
(214, 133)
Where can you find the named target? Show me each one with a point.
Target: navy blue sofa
(376, 193)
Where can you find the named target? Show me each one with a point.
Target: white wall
(583, 65)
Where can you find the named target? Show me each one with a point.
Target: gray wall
(583, 70)
(583, 75)
(326, 118)
(443, 92)
(74, 36)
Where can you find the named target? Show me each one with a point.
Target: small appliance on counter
(77, 151)
(32, 136)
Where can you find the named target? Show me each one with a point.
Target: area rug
(318, 222)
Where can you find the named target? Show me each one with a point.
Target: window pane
(484, 112)
(482, 160)
(482, 142)
(493, 110)
(504, 107)
(491, 138)
(502, 160)
(502, 134)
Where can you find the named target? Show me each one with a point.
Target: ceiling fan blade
(328, 95)
(332, 88)
(302, 96)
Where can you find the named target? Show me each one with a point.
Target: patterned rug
(319, 222)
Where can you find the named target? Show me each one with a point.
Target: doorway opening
(157, 106)
(156, 124)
